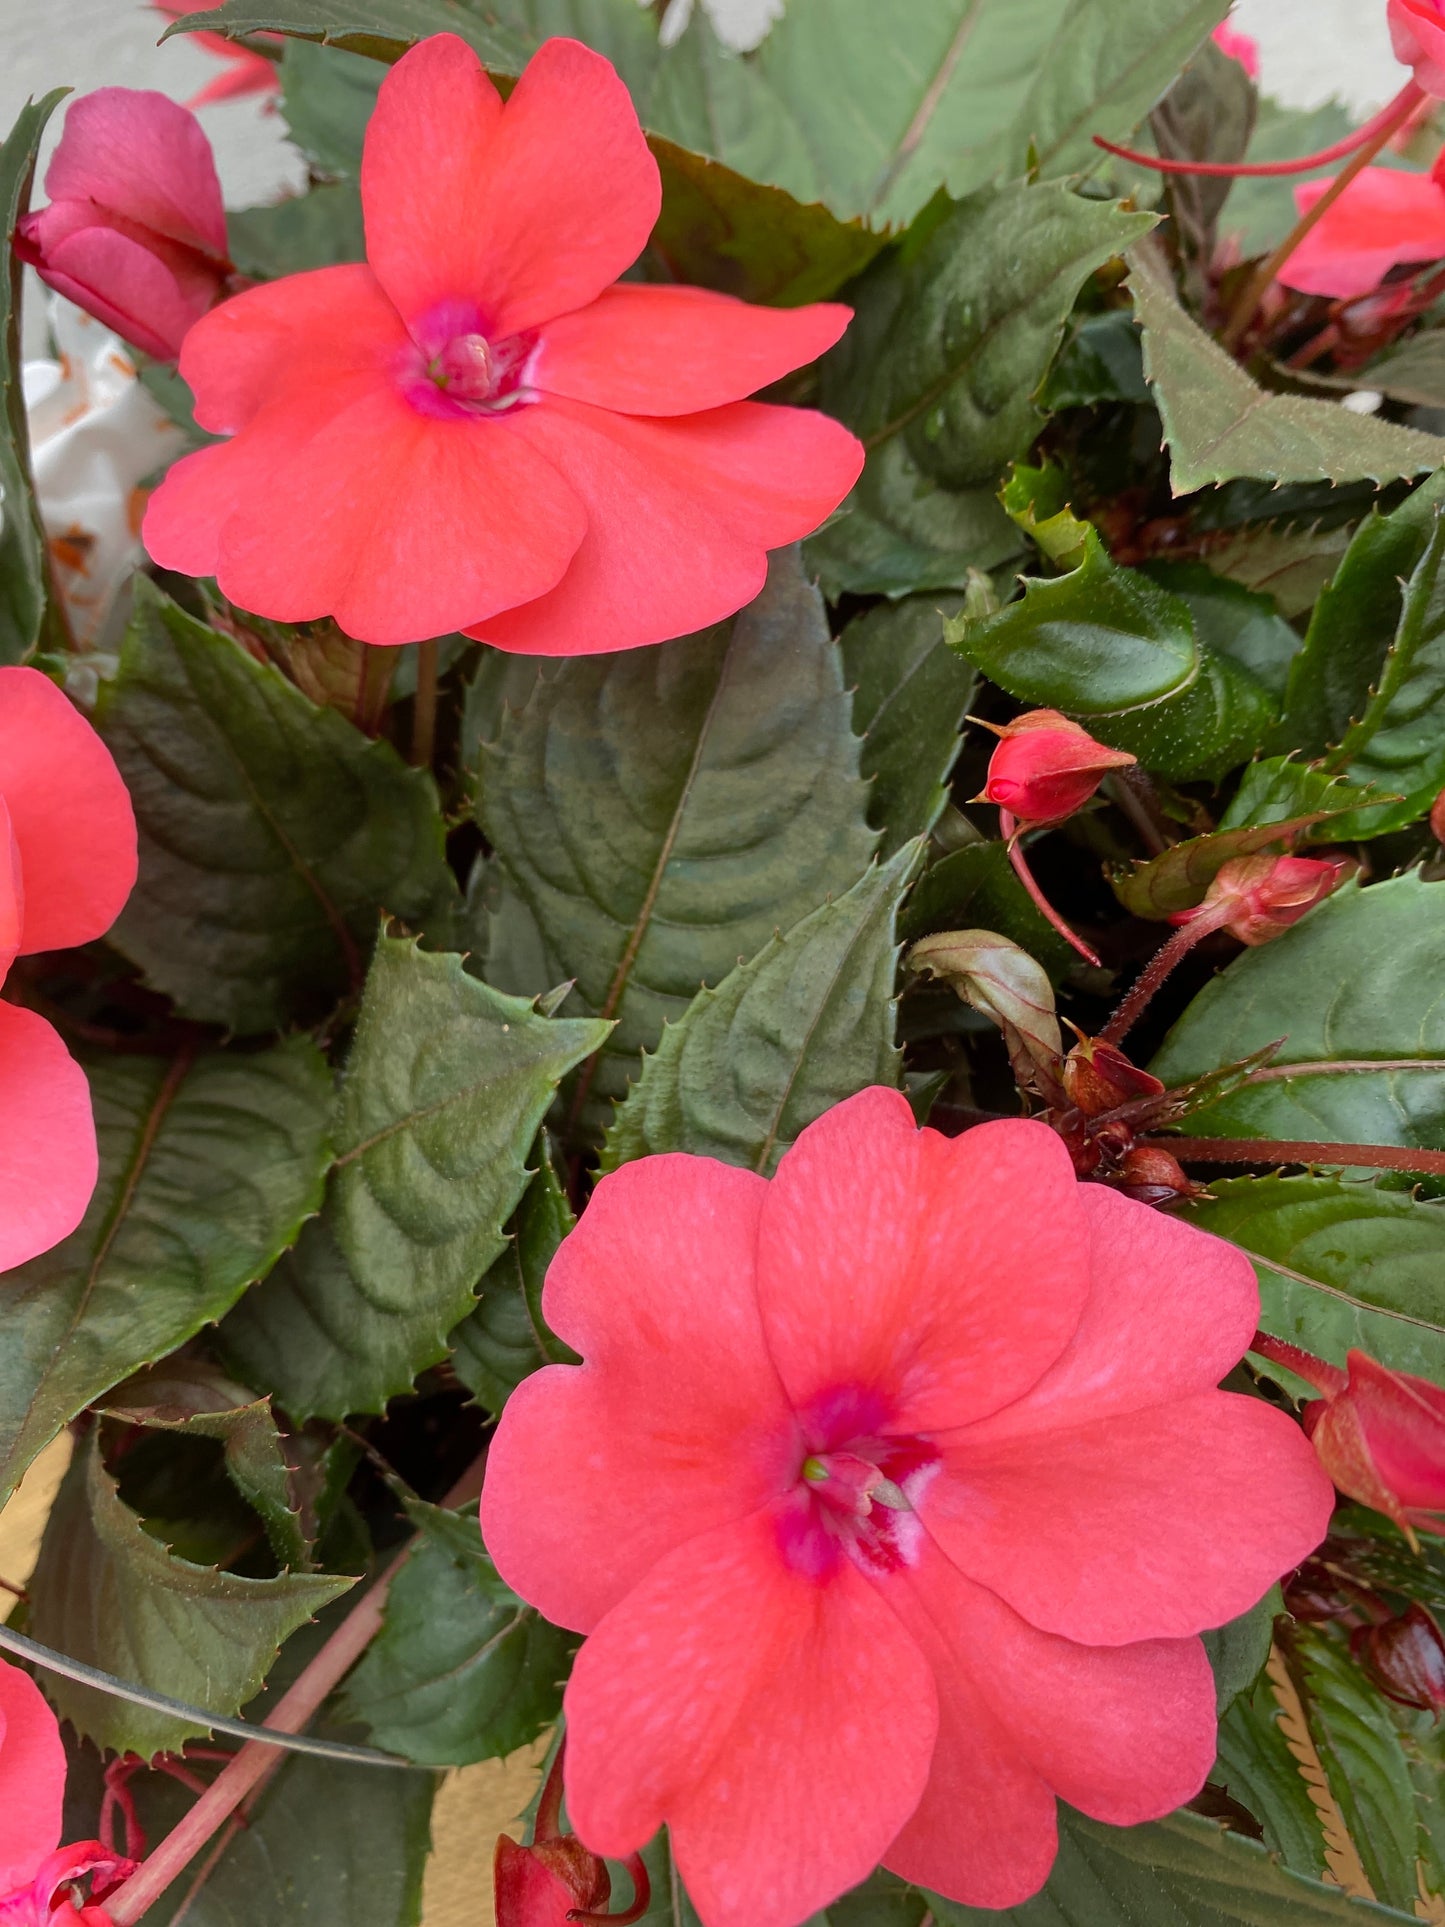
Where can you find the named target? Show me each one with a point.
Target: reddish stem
(1260, 1150)
(1164, 960)
(1008, 823)
(1325, 1378)
(548, 1824)
(1405, 103)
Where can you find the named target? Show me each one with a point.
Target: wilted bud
(1098, 1077)
(1257, 898)
(541, 1885)
(1379, 1434)
(1405, 1657)
(1437, 818)
(1006, 984)
(1151, 1175)
(1046, 767)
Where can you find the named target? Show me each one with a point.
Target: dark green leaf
(321, 229)
(976, 888)
(910, 695)
(1219, 424)
(1353, 990)
(326, 100)
(1280, 788)
(661, 812)
(1341, 1264)
(1257, 1768)
(799, 1027)
(1207, 115)
(446, 1085)
(462, 1669)
(1412, 372)
(383, 29)
(1101, 361)
(1233, 621)
(190, 1396)
(27, 619)
(1355, 622)
(272, 833)
(1182, 1869)
(1093, 642)
(1178, 878)
(506, 1337)
(109, 1595)
(207, 1168)
(1288, 562)
(1238, 1651)
(953, 335)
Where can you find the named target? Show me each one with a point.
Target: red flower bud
(1098, 1077)
(1154, 1176)
(1405, 1657)
(1257, 898)
(1437, 818)
(541, 1885)
(1379, 1434)
(1046, 767)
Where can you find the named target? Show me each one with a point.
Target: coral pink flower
(135, 232)
(479, 430)
(1417, 34)
(1385, 219)
(67, 864)
(37, 1875)
(249, 72)
(1239, 46)
(891, 1497)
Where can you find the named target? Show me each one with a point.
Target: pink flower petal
(1417, 35)
(122, 283)
(941, 1275)
(70, 814)
(302, 332)
(32, 1775)
(675, 1423)
(1384, 219)
(528, 212)
(681, 514)
(781, 1728)
(12, 894)
(1145, 1525)
(677, 351)
(1124, 1733)
(345, 501)
(1170, 1312)
(142, 155)
(48, 1162)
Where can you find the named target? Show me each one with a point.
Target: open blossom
(135, 232)
(1385, 219)
(40, 1879)
(891, 1496)
(482, 429)
(67, 864)
(1417, 34)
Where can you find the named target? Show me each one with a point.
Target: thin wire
(52, 1662)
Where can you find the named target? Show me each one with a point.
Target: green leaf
(506, 1338)
(910, 695)
(1178, 877)
(445, 1088)
(1101, 361)
(1257, 1768)
(1106, 66)
(382, 29)
(326, 100)
(1182, 1869)
(1094, 642)
(28, 621)
(1289, 563)
(272, 833)
(952, 337)
(1353, 991)
(1355, 622)
(1219, 424)
(976, 888)
(1279, 788)
(322, 229)
(109, 1595)
(191, 1397)
(1414, 371)
(799, 1027)
(1233, 621)
(462, 1669)
(1342, 1265)
(1260, 210)
(207, 1167)
(661, 812)
(1238, 1651)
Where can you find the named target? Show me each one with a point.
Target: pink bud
(1257, 898)
(544, 1884)
(1046, 767)
(1417, 34)
(1238, 46)
(1405, 1657)
(135, 232)
(1381, 1437)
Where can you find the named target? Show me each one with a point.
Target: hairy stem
(1314, 1371)
(1152, 976)
(1263, 1150)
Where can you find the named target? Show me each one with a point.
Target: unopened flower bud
(1151, 1175)
(1405, 1657)
(1098, 1077)
(541, 1885)
(1046, 767)
(1257, 898)
(1437, 818)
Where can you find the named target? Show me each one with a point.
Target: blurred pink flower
(1417, 34)
(250, 72)
(1386, 218)
(891, 1496)
(135, 232)
(1239, 46)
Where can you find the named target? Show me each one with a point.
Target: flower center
(453, 369)
(465, 368)
(859, 1500)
